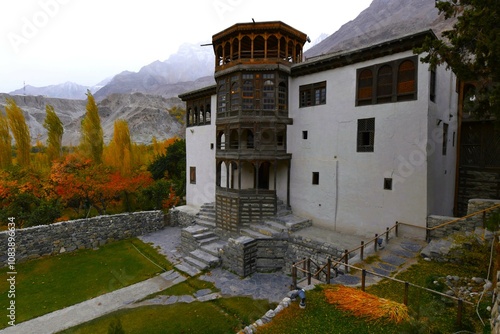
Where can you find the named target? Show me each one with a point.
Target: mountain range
(143, 97)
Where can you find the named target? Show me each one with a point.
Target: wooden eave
(341, 59)
(198, 93)
(259, 27)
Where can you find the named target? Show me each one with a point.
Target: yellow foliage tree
(20, 131)
(55, 131)
(5, 142)
(120, 148)
(92, 141)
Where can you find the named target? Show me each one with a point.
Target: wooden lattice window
(366, 135)
(365, 87)
(312, 94)
(384, 84)
(192, 175)
(406, 80)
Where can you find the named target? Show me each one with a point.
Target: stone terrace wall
(468, 224)
(68, 236)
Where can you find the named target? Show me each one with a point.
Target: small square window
(315, 178)
(192, 175)
(304, 134)
(388, 183)
(211, 146)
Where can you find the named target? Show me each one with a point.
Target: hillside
(147, 116)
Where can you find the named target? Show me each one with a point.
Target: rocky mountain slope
(190, 68)
(147, 116)
(383, 20)
(67, 90)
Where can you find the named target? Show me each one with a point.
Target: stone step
(253, 234)
(293, 222)
(275, 225)
(196, 263)
(208, 206)
(206, 223)
(263, 229)
(205, 257)
(214, 247)
(207, 241)
(195, 229)
(210, 216)
(187, 268)
(203, 235)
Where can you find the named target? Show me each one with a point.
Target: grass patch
(217, 317)
(51, 283)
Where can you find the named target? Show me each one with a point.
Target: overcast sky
(45, 42)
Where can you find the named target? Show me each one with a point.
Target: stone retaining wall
(68, 236)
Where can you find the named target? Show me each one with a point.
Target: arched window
(258, 47)
(246, 47)
(269, 97)
(384, 84)
(406, 80)
(219, 59)
(221, 140)
(235, 92)
(365, 87)
(282, 97)
(282, 48)
(208, 115)
(227, 53)
(248, 91)
(248, 137)
(234, 140)
(272, 47)
(188, 117)
(222, 97)
(235, 55)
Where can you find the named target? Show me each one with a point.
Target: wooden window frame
(366, 96)
(312, 94)
(192, 175)
(366, 135)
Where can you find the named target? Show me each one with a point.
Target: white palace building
(354, 140)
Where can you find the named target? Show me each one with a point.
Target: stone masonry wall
(68, 236)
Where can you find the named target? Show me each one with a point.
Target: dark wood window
(387, 82)
(388, 183)
(315, 178)
(445, 138)
(406, 80)
(192, 175)
(366, 135)
(313, 94)
(269, 92)
(235, 92)
(304, 134)
(222, 97)
(432, 86)
(365, 87)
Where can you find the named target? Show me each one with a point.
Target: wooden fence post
(397, 225)
(309, 271)
(328, 269)
(362, 250)
(346, 256)
(376, 242)
(459, 312)
(405, 297)
(386, 235)
(363, 279)
(294, 275)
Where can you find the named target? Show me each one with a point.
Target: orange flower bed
(365, 305)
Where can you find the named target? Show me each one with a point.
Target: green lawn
(226, 315)
(51, 283)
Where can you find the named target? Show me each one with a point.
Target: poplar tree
(92, 142)
(20, 131)
(121, 147)
(55, 130)
(5, 142)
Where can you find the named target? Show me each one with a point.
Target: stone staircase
(392, 258)
(200, 243)
(284, 223)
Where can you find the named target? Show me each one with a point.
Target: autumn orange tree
(20, 131)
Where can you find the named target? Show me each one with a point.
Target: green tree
(472, 50)
(20, 131)
(55, 131)
(92, 142)
(172, 165)
(5, 143)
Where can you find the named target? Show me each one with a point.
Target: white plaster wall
(200, 155)
(350, 195)
(442, 168)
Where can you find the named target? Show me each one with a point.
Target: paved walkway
(273, 287)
